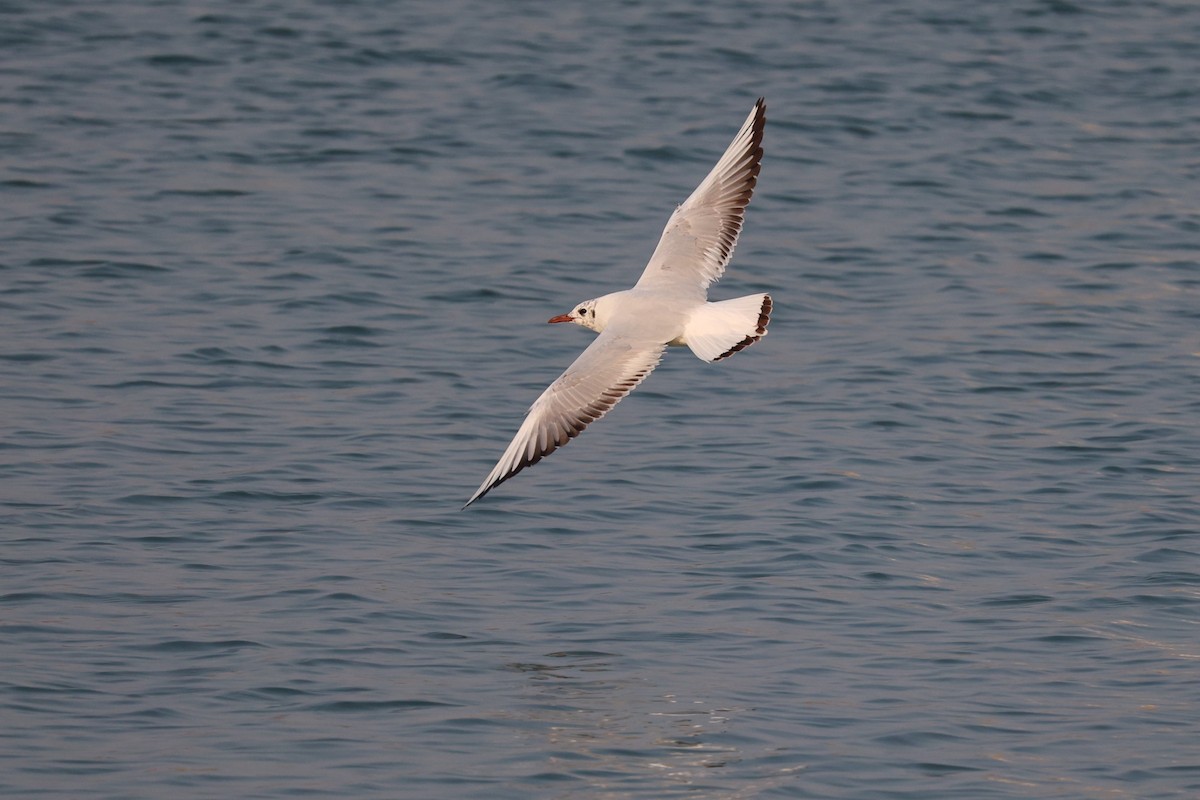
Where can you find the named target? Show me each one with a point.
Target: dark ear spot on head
(592, 312)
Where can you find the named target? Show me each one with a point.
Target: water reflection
(616, 732)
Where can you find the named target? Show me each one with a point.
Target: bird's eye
(582, 311)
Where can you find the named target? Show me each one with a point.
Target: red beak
(561, 318)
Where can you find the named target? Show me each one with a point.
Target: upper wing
(604, 373)
(701, 234)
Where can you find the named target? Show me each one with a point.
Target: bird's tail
(718, 330)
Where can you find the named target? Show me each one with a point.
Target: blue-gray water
(273, 286)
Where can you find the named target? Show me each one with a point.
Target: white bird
(667, 306)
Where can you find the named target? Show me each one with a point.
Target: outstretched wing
(604, 373)
(701, 234)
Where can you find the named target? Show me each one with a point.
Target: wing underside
(603, 374)
(700, 235)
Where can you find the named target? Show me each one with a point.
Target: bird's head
(583, 314)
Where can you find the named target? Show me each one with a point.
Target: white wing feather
(701, 234)
(604, 373)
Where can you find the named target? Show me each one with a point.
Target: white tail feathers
(718, 330)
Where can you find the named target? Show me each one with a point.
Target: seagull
(667, 306)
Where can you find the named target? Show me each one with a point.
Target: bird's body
(667, 306)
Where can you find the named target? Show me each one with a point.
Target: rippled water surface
(273, 285)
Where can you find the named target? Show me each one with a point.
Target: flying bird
(667, 306)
